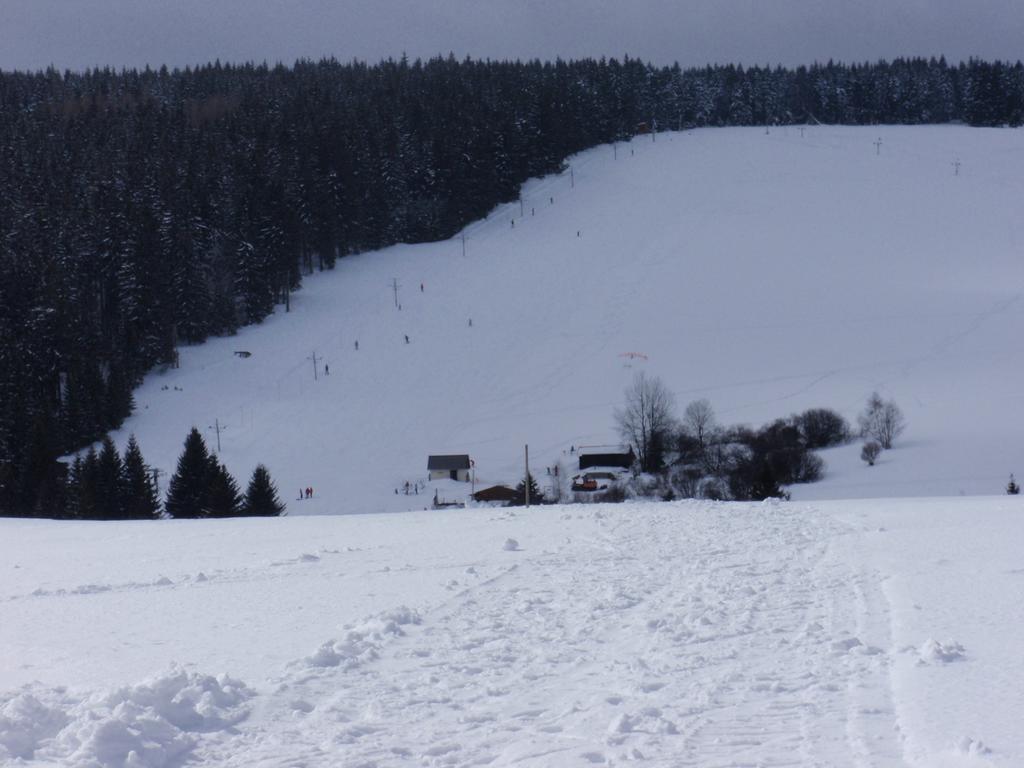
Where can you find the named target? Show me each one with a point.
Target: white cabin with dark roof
(449, 467)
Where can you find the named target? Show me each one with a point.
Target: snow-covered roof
(604, 450)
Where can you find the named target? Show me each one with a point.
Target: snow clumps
(25, 723)
(934, 652)
(511, 545)
(148, 725)
(972, 747)
(649, 720)
(363, 640)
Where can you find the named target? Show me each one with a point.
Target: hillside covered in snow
(768, 272)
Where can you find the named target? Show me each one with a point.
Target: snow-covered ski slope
(767, 273)
(840, 634)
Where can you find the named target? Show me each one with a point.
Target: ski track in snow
(726, 645)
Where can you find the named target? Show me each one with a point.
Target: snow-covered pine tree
(1012, 488)
(261, 498)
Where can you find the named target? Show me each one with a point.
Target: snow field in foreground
(881, 633)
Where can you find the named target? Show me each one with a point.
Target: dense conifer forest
(142, 210)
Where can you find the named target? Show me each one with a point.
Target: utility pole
(956, 167)
(314, 364)
(572, 178)
(463, 245)
(801, 131)
(878, 145)
(394, 280)
(218, 429)
(615, 149)
(526, 480)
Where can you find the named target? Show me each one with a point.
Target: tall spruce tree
(82, 490)
(109, 469)
(188, 489)
(223, 498)
(261, 498)
(138, 494)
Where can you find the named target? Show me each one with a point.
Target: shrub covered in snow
(870, 452)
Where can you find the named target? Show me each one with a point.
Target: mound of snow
(650, 720)
(362, 641)
(511, 545)
(25, 722)
(934, 652)
(973, 747)
(148, 725)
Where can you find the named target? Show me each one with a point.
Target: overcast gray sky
(80, 33)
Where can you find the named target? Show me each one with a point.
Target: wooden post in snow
(526, 480)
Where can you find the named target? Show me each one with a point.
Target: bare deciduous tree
(699, 421)
(646, 421)
(881, 420)
(559, 484)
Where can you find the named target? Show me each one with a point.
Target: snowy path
(726, 644)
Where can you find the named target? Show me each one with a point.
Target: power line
(218, 429)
